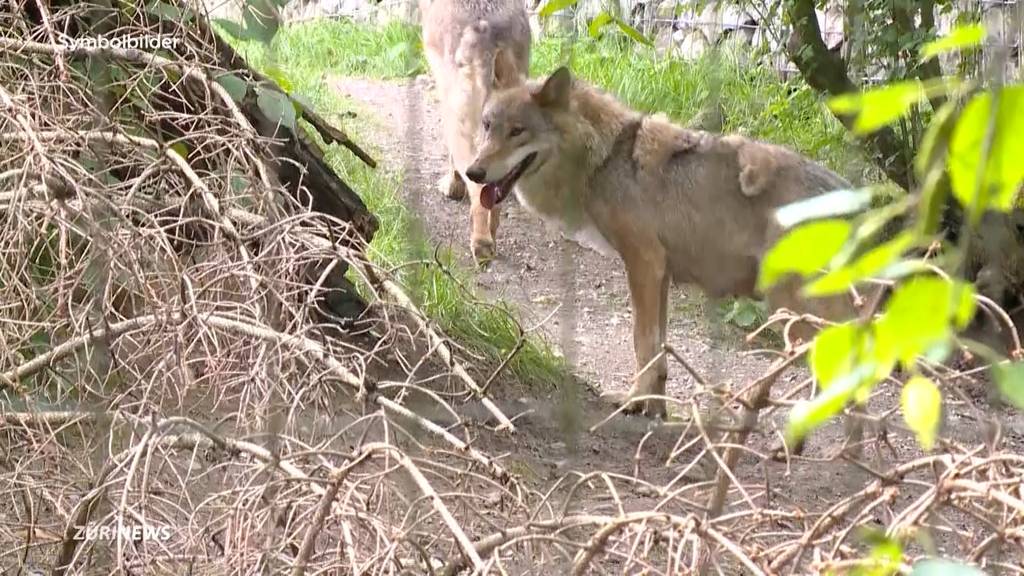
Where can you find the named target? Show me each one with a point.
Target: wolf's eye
(487, 125)
(515, 131)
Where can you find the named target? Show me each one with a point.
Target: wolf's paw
(452, 187)
(652, 407)
(483, 250)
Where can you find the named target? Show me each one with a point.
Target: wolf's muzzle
(476, 174)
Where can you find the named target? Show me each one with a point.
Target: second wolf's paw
(651, 407)
(452, 187)
(483, 250)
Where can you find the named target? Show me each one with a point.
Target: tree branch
(826, 72)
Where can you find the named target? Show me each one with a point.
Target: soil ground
(583, 296)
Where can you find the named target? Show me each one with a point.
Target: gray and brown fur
(676, 205)
(473, 47)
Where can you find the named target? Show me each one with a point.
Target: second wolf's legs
(452, 185)
(483, 225)
(648, 291)
(483, 221)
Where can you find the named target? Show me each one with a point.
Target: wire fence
(689, 29)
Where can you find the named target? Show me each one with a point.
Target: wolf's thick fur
(675, 204)
(473, 47)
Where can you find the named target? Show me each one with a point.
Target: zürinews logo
(134, 532)
(141, 42)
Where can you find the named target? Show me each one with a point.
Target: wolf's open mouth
(493, 193)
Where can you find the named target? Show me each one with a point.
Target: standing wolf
(675, 204)
(473, 47)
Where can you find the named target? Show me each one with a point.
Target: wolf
(473, 47)
(676, 205)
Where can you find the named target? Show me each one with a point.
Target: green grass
(343, 47)
(304, 56)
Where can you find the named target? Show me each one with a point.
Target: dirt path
(536, 268)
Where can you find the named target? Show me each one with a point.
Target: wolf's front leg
(483, 226)
(648, 291)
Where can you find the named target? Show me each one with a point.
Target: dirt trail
(536, 269)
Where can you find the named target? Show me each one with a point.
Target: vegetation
(299, 59)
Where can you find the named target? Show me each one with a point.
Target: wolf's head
(517, 134)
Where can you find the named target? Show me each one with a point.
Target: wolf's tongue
(489, 195)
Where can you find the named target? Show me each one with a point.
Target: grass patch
(485, 330)
(344, 47)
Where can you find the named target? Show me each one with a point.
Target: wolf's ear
(506, 72)
(554, 93)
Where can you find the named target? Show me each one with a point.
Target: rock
(690, 44)
(226, 9)
(299, 10)
(404, 11)
(559, 24)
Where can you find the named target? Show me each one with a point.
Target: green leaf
(744, 312)
(239, 183)
(937, 134)
(276, 74)
(277, 106)
(994, 184)
(633, 33)
(232, 28)
(180, 148)
(964, 304)
(834, 352)
(1010, 379)
(961, 37)
(555, 6)
(917, 318)
(922, 409)
(905, 268)
(261, 20)
(810, 414)
(944, 568)
(599, 22)
(865, 235)
(398, 50)
(878, 107)
(168, 11)
(234, 86)
(933, 201)
(875, 260)
(886, 555)
(828, 205)
(304, 102)
(803, 250)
